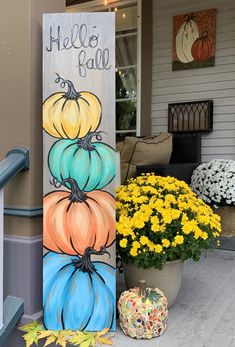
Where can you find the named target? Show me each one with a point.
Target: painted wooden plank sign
(79, 278)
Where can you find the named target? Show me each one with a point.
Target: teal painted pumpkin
(78, 294)
(91, 164)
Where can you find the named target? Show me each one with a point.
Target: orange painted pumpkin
(74, 220)
(202, 48)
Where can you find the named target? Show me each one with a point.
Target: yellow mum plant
(160, 219)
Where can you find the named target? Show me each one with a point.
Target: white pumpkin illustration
(188, 33)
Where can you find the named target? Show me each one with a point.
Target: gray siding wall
(217, 83)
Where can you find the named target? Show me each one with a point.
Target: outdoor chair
(185, 158)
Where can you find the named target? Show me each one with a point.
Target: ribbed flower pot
(227, 214)
(168, 279)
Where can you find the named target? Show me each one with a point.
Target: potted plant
(214, 182)
(160, 224)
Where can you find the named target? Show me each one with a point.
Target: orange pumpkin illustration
(74, 220)
(202, 48)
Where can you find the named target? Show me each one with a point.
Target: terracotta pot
(227, 214)
(168, 279)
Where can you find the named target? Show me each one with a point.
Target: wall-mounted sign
(194, 37)
(79, 282)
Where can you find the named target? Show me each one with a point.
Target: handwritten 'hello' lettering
(78, 38)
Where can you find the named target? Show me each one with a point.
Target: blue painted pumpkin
(78, 294)
(91, 164)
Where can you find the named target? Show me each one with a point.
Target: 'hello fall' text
(80, 40)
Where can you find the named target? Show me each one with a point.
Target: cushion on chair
(119, 146)
(144, 151)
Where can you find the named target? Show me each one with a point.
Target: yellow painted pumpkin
(71, 114)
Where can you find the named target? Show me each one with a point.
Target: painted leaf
(34, 326)
(102, 333)
(88, 343)
(50, 340)
(105, 341)
(31, 338)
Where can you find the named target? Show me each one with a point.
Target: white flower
(214, 182)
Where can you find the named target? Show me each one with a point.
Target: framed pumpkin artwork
(194, 38)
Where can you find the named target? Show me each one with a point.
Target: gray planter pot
(168, 279)
(227, 214)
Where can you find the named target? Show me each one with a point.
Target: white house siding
(217, 83)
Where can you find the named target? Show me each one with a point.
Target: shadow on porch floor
(204, 314)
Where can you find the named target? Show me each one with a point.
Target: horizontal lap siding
(217, 83)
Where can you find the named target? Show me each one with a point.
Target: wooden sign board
(79, 278)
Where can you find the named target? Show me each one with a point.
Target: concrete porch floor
(204, 314)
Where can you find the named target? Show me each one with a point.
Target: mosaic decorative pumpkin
(143, 312)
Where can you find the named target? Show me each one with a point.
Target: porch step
(13, 309)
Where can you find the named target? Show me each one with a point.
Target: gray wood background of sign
(100, 82)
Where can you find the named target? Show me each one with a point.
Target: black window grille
(195, 116)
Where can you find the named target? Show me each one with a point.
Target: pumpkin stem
(77, 195)
(71, 94)
(86, 143)
(85, 264)
(204, 34)
(190, 17)
(142, 288)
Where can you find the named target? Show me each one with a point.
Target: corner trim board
(23, 239)
(23, 212)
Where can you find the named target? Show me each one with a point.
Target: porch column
(21, 124)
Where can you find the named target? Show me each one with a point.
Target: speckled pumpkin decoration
(143, 312)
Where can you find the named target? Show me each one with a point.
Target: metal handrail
(11, 310)
(16, 160)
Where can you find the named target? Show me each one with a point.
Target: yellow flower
(151, 246)
(173, 244)
(133, 252)
(188, 227)
(158, 204)
(158, 248)
(179, 239)
(205, 236)
(175, 214)
(123, 243)
(197, 233)
(155, 220)
(166, 243)
(136, 244)
(215, 234)
(144, 240)
(155, 227)
(166, 217)
(138, 223)
(170, 198)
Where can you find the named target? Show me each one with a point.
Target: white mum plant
(214, 182)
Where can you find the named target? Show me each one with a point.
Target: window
(127, 73)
